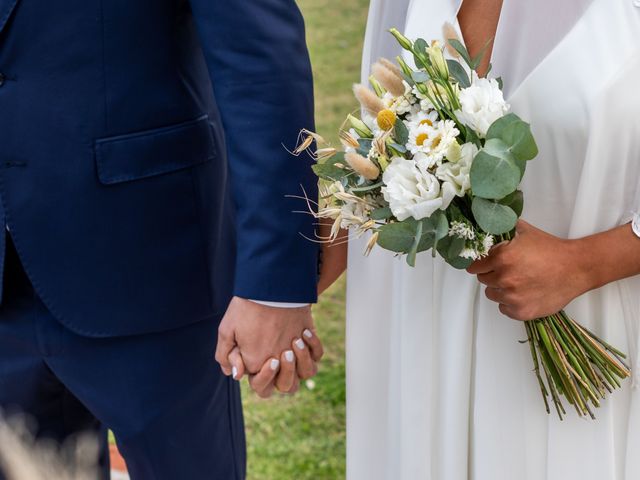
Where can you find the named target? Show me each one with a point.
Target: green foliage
(462, 50)
(494, 172)
(414, 236)
(515, 201)
(383, 213)
(458, 72)
(450, 248)
(401, 133)
(328, 170)
(516, 134)
(493, 217)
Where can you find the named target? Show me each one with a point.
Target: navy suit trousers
(174, 415)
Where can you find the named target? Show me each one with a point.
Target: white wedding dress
(438, 386)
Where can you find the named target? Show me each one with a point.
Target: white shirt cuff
(280, 304)
(635, 224)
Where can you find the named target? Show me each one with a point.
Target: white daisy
(420, 138)
(422, 118)
(446, 133)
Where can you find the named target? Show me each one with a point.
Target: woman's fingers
(306, 367)
(287, 375)
(263, 381)
(314, 344)
(237, 364)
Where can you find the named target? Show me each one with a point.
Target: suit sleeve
(261, 75)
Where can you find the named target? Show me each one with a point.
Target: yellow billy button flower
(386, 119)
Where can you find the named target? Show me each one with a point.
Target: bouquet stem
(577, 365)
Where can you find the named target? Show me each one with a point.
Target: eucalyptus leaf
(450, 248)
(515, 201)
(401, 133)
(364, 146)
(397, 237)
(494, 173)
(398, 148)
(328, 170)
(516, 134)
(420, 76)
(408, 79)
(461, 49)
(383, 213)
(458, 72)
(493, 217)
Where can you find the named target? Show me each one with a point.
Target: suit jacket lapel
(6, 9)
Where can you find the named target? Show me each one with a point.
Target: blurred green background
(303, 437)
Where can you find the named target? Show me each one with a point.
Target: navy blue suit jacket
(143, 174)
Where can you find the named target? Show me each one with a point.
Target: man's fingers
(225, 345)
(287, 375)
(237, 364)
(314, 344)
(489, 279)
(263, 382)
(305, 366)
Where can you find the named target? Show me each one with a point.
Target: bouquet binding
(435, 163)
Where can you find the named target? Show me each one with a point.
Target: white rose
(455, 177)
(481, 104)
(410, 191)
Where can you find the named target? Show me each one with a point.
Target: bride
(438, 386)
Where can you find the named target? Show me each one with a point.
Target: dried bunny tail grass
(362, 165)
(388, 79)
(449, 33)
(369, 100)
(391, 66)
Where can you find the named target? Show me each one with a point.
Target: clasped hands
(275, 347)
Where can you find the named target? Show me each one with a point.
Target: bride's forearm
(606, 257)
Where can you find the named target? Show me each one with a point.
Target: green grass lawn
(303, 437)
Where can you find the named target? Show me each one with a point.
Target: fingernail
(299, 343)
(275, 364)
(288, 355)
(307, 333)
(234, 372)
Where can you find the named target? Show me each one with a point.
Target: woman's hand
(334, 257)
(533, 275)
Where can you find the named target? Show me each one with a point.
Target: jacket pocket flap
(153, 152)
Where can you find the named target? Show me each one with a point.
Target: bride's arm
(538, 274)
(333, 257)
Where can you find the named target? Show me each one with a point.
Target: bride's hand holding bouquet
(435, 163)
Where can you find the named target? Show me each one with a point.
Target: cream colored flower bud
(362, 165)
(388, 79)
(369, 100)
(437, 60)
(360, 127)
(454, 152)
(402, 40)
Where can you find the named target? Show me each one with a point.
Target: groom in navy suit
(144, 187)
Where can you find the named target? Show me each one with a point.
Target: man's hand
(275, 346)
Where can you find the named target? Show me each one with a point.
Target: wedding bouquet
(434, 163)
